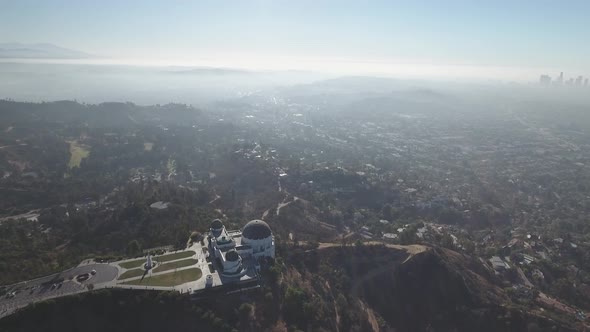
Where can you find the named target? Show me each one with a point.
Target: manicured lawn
(169, 279)
(171, 257)
(175, 265)
(164, 258)
(132, 264)
(131, 273)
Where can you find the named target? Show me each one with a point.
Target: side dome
(232, 256)
(256, 230)
(216, 224)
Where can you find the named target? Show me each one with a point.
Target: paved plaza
(191, 286)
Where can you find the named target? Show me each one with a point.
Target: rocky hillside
(410, 288)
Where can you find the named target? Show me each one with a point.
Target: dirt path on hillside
(283, 204)
(411, 249)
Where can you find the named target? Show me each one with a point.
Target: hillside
(412, 288)
(333, 288)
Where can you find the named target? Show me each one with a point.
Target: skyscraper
(579, 81)
(560, 79)
(586, 82)
(545, 80)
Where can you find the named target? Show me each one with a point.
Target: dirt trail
(371, 317)
(327, 284)
(283, 204)
(265, 214)
(411, 249)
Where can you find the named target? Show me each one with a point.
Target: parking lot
(57, 285)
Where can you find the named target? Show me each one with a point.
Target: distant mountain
(39, 51)
(212, 71)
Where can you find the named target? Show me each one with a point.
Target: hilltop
(333, 288)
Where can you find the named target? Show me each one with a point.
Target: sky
(512, 39)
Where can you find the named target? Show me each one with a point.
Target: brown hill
(410, 288)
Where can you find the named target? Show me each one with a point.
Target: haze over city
(294, 166)
(499, 40)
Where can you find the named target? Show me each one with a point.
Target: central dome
(256, 230)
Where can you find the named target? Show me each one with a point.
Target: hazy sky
(516, 37)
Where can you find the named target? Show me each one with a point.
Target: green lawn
(175, 265)
(77, 153)
(168, 279)
(164, 258)
(131, 273)
(171, 257)
(132, 264)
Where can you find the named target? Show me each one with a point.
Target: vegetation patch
(169, 279)
(131, 274)
(176, 265)
(77, 153)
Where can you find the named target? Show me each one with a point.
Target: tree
(314, 244)
(296, 309)
(469, 246)
(344, 241)
(447, 241)
(274, 273)
(196, 236)
(386, 212)
(245, 311)
(407, 237)
(563, 289)
(133, 248)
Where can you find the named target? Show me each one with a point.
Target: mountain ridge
(39, 51)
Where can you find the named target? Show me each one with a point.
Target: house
(498, 264)
(390, 236)
(513, 242)
(528, 259)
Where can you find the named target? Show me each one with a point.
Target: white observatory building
(231, 248)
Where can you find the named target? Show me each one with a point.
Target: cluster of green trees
(66, 235)
(94, 209)
(120, 310)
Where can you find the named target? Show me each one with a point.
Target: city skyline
(578, 80)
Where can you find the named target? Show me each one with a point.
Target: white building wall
(262, 247)
(231, 267)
